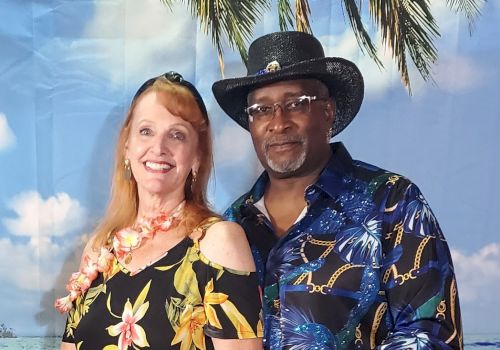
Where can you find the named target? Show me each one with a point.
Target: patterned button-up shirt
(366, 267)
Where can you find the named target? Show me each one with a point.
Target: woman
(163, 271)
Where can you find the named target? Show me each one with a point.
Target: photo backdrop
(68, 70)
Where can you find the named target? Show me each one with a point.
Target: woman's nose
(160, 145)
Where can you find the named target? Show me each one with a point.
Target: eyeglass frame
(310, 99)
(177, 78)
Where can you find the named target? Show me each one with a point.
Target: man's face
(289, 140)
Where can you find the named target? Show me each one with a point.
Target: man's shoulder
(378, 178)
(361, 166)
(233, 213)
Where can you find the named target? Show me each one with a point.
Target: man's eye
(262, 109)
(296, 104)
(146, 131)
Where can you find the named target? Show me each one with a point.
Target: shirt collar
(332, 179)
(337, 172)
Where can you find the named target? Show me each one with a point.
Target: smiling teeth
(158, 166)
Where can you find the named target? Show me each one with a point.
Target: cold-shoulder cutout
(225, 243)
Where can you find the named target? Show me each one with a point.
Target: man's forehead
(286, 87)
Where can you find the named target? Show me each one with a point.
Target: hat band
(272, 66)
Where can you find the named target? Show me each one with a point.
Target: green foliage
(407, 27)
(470, 8)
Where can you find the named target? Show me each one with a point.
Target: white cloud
(140, 38)
(7, 137)
(24, 266)
(456, 73)
(449, 21)
(377, 80)
(478, 275)
(41, 219)
(452, 73)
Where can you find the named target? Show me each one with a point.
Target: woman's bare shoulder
(226, 244)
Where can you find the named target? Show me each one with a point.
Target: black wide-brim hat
(288, 56)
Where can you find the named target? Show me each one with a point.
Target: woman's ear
(196, 166)
(125, 153)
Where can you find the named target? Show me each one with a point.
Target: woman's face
(162, 148)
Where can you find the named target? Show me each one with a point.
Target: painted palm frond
(470, 8)
(364, 41)
(407, 27)
(285, 15)
(231, 20)
(302, 13)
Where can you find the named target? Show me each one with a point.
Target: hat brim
(342, 77)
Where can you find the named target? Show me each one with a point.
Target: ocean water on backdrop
(472, 342)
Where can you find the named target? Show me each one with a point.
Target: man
(350, 255)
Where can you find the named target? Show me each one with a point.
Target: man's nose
(280, 121)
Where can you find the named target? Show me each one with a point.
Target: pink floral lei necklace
(124, 243)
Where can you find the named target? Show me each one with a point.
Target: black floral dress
(175, 303)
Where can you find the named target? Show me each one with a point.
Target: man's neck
(291, 187)
(284, 198)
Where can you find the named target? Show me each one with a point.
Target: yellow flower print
(213, 299)
(243, 328)
(190, 330)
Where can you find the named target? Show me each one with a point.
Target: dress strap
(204, 226)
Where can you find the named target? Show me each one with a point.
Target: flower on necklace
(64, 304)
(125, 241)
(146, 228)
(128, 330)
(89, 268)
(78, 282)
(130, 238)
(104, 260)
(165, 225)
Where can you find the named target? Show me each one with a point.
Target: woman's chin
(160, 189)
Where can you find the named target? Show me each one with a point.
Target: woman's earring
(128, 170)
(193, 178)
(329, 135)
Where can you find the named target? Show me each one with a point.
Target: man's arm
(419, 279)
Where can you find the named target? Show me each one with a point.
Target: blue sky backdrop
(68, 70)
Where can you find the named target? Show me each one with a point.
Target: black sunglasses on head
(177, 78)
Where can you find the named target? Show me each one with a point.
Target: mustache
(276, 140)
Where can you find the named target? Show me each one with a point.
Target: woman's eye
(146, 131)
(177, 135)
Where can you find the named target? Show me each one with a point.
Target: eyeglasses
(177, 78)
(292, 107)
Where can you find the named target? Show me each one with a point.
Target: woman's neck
(150, 206)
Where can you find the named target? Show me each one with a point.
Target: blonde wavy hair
(124, 201)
